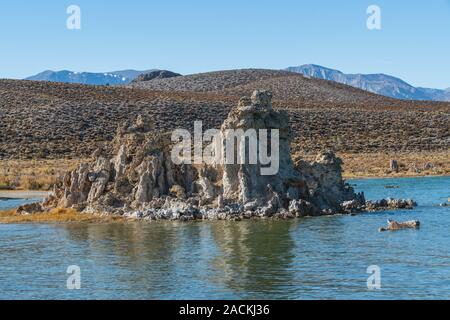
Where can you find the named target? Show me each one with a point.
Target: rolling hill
(284, 85)
(381, 84)
(58, 120)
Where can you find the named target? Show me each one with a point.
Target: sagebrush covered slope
(54, 120)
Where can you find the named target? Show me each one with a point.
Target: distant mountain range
(377, 83)
(105, 78)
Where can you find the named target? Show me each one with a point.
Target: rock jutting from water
(395, 226)
(142, 181)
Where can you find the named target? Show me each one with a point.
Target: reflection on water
(314, 258)
(235, 259)
(252, 256)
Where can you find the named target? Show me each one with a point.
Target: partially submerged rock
(394, 225)
(392, 187)
(142, 181)
(390, 204)
(31, 208)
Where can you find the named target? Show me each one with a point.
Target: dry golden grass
(410, 164)
(33, 174)
(56, 216)
(377, 164)
(368, 165)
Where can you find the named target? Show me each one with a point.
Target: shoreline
(59, 215)
(347, 178)
(23, 194)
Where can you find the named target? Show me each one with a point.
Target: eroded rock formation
(142, 181)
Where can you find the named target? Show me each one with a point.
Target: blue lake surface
(6, 204)
(313, 258)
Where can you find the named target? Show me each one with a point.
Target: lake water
(6, 204)
(314, 258)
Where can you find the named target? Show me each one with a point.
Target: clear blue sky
(205, 35)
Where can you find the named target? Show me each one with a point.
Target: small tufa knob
(262, 99)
